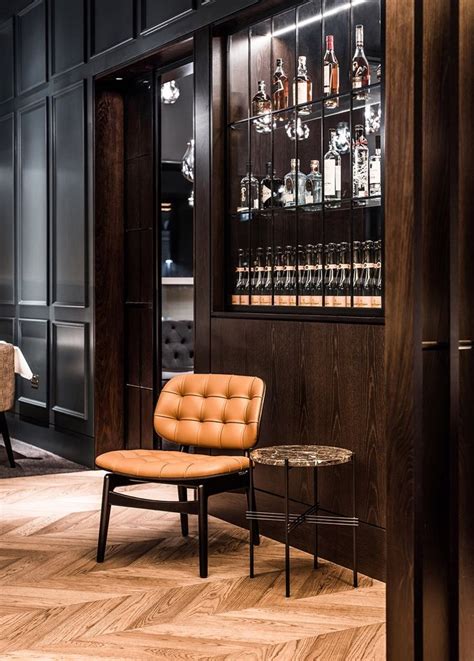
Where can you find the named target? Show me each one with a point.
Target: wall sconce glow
(319, 17)
(169, 92)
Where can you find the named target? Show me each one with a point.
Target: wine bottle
(357, 274)
(342, 298)
(239, 278)
(330, 285)
(331, 73)
(377, 279)
(267, 289)
(289, 287)
(258, 279)
(278, 276)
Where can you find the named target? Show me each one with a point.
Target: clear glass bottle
(278, 276)
(360, 65)
(314, 185)
(302, 86)
(266, 296)
(280, 87)
(330, 269)
(332, 170)
(360, 164)
(239, 278)
(262, 109)
(270, 189)
(258, 277)
(295, 185)
(375, 170)
(331, 73)
(249, 191)
(342, 298)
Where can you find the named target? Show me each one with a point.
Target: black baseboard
(75, 447)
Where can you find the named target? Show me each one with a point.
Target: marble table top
(301, 455)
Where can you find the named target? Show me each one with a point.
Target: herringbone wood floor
(146, 600)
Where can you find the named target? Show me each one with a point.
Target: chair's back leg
(104, 519)
(6, 439)
(183, 497)
(203, 535)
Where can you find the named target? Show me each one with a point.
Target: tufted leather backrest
(211, 410)
(7, 376)
(177, 353)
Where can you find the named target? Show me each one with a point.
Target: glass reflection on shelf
(297, 130)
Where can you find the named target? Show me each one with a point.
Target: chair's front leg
(183, 497)
(203, 535)
(104, 518)
(252, 507)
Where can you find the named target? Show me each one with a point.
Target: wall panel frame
(7, 206)
(70, 354)
(31, 47)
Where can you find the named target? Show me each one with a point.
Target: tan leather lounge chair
(7, 394)
(217, 412)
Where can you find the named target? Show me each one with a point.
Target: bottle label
(304, 301)
(255, 299)
(327, 78)
(308, 197)
(265, 300)
(266, 194)
(279, 268)
(244, 299)
(362, 301)
(243, 195)
(356, 82)
(332, 178)
(329, 301)
(342, 301)
(376, 301)
(283, 300)
(240, 269)
(300, 92)
(291, 300)
(255, 203)
(260, 269)
(374, 172)
(235, 299)
(343, 266)
(289, 199)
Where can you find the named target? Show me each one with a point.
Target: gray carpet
(30, 460)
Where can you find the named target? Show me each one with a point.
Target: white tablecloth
(21, 366)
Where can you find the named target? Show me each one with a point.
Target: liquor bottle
(357, 274)
(314, 185)
(360, 164)
(377, 280)
(317, 298)
(331, 73)
(258, 277)
(266, 295)
(280, 87)
(278, 276)
(271, 189)
(249, 191)
(289, 287)
(375, 174)
(330, 284)
(367, 275)
(295, 185)
(245, 293)
(261, 102)
(332, 170)
(360, 65)
(342, 298)
(239, 279)
(302, 86)
(301, 272)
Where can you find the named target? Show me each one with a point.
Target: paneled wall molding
(67, 35)
(31, 47)
(7, 79)
(156, 16)
(7, 206)
(70, 352)
(113, 23)
(33, 339)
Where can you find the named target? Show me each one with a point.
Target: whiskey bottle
(330, 285)
(249, 191)
(360, 66)
(342, 298)
(367, 275)
(266, 295)
(332, 170)
(261, 102)
(245, 293)
(295, 185)
(377, 279)
(289, 287)
(375, 174)
(331, 73)
(278, 276)
(357, 274)
(360, 164)
(302, 86)
(238, 279)
(258, 278)
(271, 189)
(314, 185)
(280, 87)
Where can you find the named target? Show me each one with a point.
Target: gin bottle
(314, 185)
(295, 185)
(332, 170)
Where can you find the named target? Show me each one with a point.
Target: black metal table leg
(354, 528)
(316, 505)
(251, 524)
(287, 528)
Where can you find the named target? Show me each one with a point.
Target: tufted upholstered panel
(177, 353)
(7, 376)
(218, 411)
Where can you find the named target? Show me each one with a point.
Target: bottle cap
(279, 61)
(314, 163)
(330, 41)
(302, 60)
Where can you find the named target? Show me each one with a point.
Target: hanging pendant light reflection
(169, 92)
(187, 163)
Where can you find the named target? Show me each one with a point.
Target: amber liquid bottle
(360, 66)
(331, 73)
(302, 86)
(280, 87)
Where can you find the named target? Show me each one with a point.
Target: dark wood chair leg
(203, 534)
(183, 497)
(104, 518)
(6, 439)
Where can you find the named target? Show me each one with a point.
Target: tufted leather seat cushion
(219, 411)
(169, 465)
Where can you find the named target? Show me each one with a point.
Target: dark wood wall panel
(67, 34)
(69, 245)
(7, 206)
(69, 346)
(33, 336)
(6, 61)
(324, 385)
(31, 46)
(156, 14)
(113, 23)
(33, 204)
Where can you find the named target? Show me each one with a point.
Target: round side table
(303, 456)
